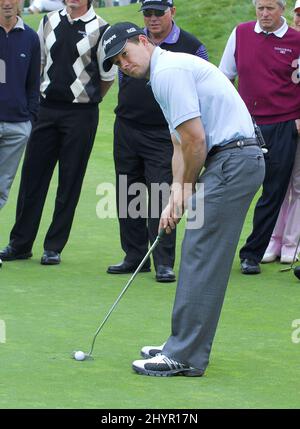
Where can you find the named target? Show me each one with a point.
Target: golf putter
(291, 267)
(88, 356)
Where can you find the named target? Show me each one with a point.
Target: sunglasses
(149, 12)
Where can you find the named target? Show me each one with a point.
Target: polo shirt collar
(19, 24)
(278, 33)
(172, 37)
(90, 14)
(154, 58)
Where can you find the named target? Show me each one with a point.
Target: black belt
(233, 145)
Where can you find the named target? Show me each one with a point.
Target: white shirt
(188, 87)
(228, 64)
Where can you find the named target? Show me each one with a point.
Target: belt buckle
(240, 144)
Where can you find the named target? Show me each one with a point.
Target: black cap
(156, 4)
(115, 38)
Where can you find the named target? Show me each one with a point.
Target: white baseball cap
(297, 5)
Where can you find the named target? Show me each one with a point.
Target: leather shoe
(249, 266)
(11, 254)
(126, 267)
(50, 257)
(165, 274)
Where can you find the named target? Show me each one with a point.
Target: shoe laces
(162, 359)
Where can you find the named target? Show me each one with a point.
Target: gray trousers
(231, 179)
(13, 138)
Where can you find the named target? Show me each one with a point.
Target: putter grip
(162, 232)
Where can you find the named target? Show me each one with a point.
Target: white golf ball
(79, 355)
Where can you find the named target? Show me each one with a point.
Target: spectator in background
(38, 6)
(73, 84)
(296, 23)
(273, 99)
(19, 90)
(286, 234)
(143, 148)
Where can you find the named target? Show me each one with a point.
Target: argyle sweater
(267, 71)
(71, 73)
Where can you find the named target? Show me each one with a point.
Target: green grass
(50, 311)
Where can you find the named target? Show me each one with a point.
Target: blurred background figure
(287, 230)
(38, 6)
(296, 23)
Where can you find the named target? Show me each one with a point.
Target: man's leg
(77, 130)
(292, 226)
(13, 138)
(230, 182)
(129, 168)
(281, 143)
(273, 250)
(157, 152)
(39, 163)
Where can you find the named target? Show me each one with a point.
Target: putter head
(297, 272)
(286, 269)
(80, 356)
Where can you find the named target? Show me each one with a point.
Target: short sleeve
(176, 92)
(105, 76)
(228, 64)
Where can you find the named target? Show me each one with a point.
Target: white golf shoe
(269, 257)
(163, 366)
(151, 351)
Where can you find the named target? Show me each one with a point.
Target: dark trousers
(281, 141)
(143, 155)
(66, 137)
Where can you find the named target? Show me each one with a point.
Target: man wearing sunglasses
(143, 148)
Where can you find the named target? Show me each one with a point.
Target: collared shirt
(19, 73)
(19, 24)
(173, 38)
(136, 102)
(228, 63)
(85, 17)
(188, 87)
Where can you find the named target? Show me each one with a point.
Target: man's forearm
(193, 150)
(194, 155)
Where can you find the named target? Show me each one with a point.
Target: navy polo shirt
(20, 61)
